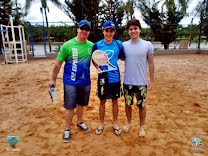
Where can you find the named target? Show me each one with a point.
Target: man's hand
(98, 70)
(52, 83)
(149, 85)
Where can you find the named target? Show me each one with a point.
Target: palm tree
(163, 17)
(129, 9)
(45, 9)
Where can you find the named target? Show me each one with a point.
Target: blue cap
(84, 22)
(109, 24)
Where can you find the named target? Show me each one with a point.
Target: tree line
(162, 18)
(64, 33)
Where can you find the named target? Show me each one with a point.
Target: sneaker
(66, 135)
(83, 126)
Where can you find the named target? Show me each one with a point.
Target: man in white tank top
(138, 54)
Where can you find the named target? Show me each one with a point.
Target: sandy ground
(177, 111)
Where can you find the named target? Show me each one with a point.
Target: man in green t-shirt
(76, 53)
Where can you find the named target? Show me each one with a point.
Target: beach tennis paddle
(102, 59)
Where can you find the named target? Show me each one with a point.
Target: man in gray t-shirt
(138, 54)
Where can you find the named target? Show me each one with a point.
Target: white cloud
(54, 14)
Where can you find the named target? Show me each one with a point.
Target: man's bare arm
(151, 69)
(56, 69)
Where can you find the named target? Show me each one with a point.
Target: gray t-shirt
(136, 61)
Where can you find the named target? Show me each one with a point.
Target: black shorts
(108, 90)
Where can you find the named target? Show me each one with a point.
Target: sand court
(177, 111)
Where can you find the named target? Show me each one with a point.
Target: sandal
(98, 131)
(126, 128)
(83, 126)
(117, 131)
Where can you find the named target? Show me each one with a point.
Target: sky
(56, 15)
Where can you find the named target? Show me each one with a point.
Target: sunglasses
(85, 28)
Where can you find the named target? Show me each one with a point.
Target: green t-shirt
(77, 57)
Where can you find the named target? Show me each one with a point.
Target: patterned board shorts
(140, 93)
